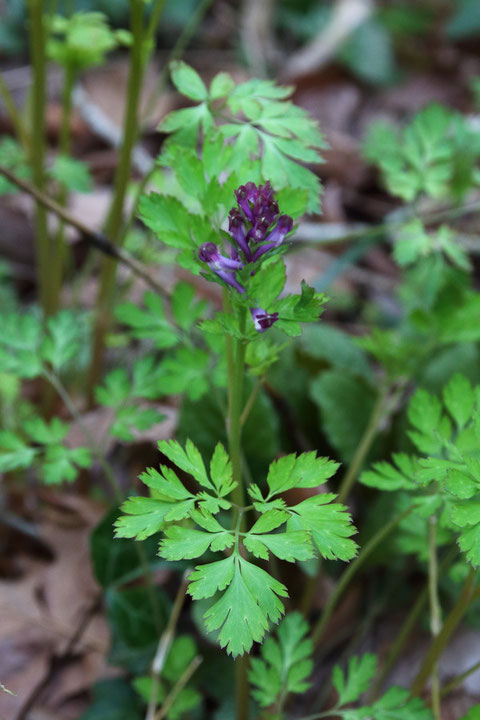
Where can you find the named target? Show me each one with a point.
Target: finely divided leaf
(188, 460)
(284, 665)
(329, 524)
(183, 543)
(350, 686)
(289, 546)
(242, 614)
(305, 471)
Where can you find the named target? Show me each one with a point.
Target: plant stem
(64, 148)
(406, 628)
(183, 680)
(456, 681)
(250, 402)
(364, 445)
(44, 250)
(435, 611)
(467, 596)
(351, 571)
(98, 240)
(177, 50)
(114, 221)
(236, 368)
(235, 413)
(164, 645)
(14, 115)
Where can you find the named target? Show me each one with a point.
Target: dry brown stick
(96, 239)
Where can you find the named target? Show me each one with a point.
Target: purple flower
(276, 236)
(223, 266)
(237, 230)
(262, 319)
(251, 224)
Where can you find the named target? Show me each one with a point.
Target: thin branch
(164, 645)
(96, 239)
(178, 688)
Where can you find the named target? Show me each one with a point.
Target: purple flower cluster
(256, 227)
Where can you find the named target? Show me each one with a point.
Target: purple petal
(262, 319)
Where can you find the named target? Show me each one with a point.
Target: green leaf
(467, 516)
(327, 343)
(45, 433)
(189, 460)
(221, 85)
(221, 471)
(473, 713)
(206, 580)
(289, 546)
(345, 403)
(369, 54)
(135, 626)
(187, 80)
(143, 517)
(115, 561)
(73, 174)
(185, 372)
(386, 476)
(114, 699)
(304, 471)
(285, 664)
(267, 284)
(425, 414)
(14, 453)
(182, 543)
(411, 243)
(132, 419)
(168, 219)
(61, 464)
(184, 308)
(242, 614)
(397, 704)
(62, 341)
(115, 390)
(188, 170)
(360, 673)
(459, 399)
(329, 525)
(13, 158)
(148, 324)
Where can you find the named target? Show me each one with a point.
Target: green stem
(467, 596)
(97, 240)
(352, 570)
(179, 47)
(456, 681)
(178, 687)
(406, 628)
(235, 413)
(349, 478)
(14, 115)
(59, 248)
(155, 16)
(235, 405)
(250, 402)
(44, 250)
(113, 226)
(435, 611)
(364, 445)
(163, 647)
